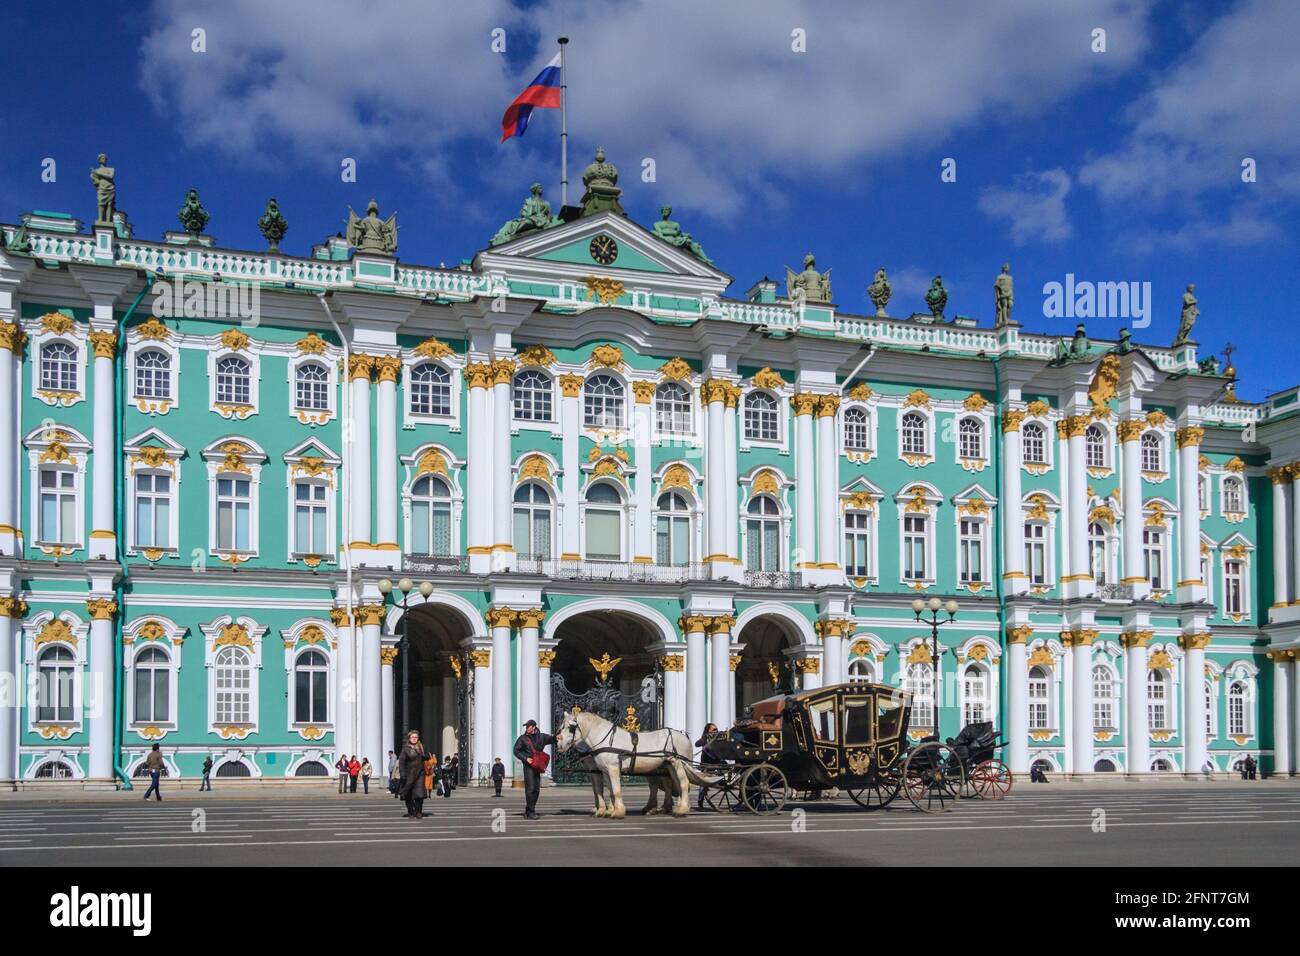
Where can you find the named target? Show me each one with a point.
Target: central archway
(438, 702)
(764, 668)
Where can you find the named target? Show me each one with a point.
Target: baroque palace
(607, 484)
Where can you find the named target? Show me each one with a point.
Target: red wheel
(991, 779)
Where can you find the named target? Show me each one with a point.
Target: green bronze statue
(273, 225)
(880, 291)
(193, 217)
(102, 177)
(1004, 294)
(809, 285)
(936, 297)
(671, 233)
(535, 214)
(1188, 317)
(601, 180)
(370, 233)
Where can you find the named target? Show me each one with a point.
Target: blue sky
(1122, 165)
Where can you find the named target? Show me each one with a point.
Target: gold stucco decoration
(607, 356)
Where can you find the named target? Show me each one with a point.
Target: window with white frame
(153, 509)
(534, 396)
(430, 389)
(234, 381)
(153, 374)
(1211, 710)
(672, 529)
(1158, 700)
(1103, 698)
(763, 534)
(1234, 586)
(152, 691)
(1206, 576)
(857, 429)
(59, 502)
(672, 409)
(603, 402)
(1152, 453)
(862, 671)
(603, 516)
(858, 546)
(1241, 715)
(311, 387)
(761, 417)
(1095, 447)
(59, 367)
(1036, 565)
(1098, 552)
(533, 523)
(1033, 444)
(1234, 497)
(1153, 557)
(970, 438)
(1040, 683)
(914, 434)
(915, 538)
(920, 684)
(430, 516)
(1203, 493)
(970, 551)
(56, 669)
(233, 675)
(975, 694)
(310, 517)
(311, 688)
(234, 514)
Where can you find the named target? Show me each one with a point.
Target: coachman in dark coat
(410, 767)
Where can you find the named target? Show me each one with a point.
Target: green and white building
(587, 447)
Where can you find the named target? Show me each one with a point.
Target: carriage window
(823, 720)
(857, 721)
(889, 716)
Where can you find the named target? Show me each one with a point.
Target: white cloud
(1034, 206)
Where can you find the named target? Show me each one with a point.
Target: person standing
(392, 773)
(354, 769)
(707, 757)
(447, 779)
(342, 767)
(455, 771)
(530, 750)
(430, 773)
(498, 775)
(207, 774)
(410, 768)
(154, 764)
(366, 771)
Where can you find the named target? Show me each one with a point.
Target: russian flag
(544, 91)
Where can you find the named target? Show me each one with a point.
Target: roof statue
(1075, 350)
(273, 225)
(1188, 317)
(372, 234)
(879, 291)
(809, 285)
(601, 180)
(533, 215)
(671, 233)
(105, 191)
(1004, 295)
(936, 297)
(193, 217)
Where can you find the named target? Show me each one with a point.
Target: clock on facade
(604, 249)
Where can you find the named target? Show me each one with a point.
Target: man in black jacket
(498, 775)
(530, 743)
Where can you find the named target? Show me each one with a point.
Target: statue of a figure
(1004, 293)
(601, 180)
(105, 191)
(273, 225)
(1188, 317)
(372, 234)
(18, 241)
(936, 297)
(879, 291)
(1075, 349)
(534, 214)
(671, 233)
(809, 285)
(193, 217)
(1125, 342)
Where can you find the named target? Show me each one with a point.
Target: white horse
(663, 757)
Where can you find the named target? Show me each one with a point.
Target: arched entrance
(764, 669)
(438, 702)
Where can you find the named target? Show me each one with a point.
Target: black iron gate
(638, 711)
(464, 720)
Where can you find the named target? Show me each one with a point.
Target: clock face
(604, 249)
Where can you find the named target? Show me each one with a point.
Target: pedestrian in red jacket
(354, 768)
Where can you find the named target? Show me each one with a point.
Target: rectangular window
(1153, 554)
(233, 514)
(857, 544)
(971, 551)
(1036, 553)
(1038, 709)
(914, 535)
(58, 506)
(153, 511)
(309, 514)
(1234, 577)
(603, 539)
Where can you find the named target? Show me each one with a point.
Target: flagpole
(564, 130)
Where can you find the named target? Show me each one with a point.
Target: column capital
(1279, 475)
(387, 367)
(12, 337)
(339, 616)
(482, 657)
(1130, 429)
(803, 403)
(545, 659)
(1191, 435)
(388, 655)
(1079, 637)
(1012, 418)
(360, 365)
(371, 615)
(1194, 640)
(501, 617)
(503, 370)
(644, 391)
(101, 609)
(530, 617)
(673, 663)
(478, 375)
(571, 385)
(693, 623)
(834, 627)
(733, 661)
(715, 390)
(14, 607)
(720, 624)
(807, 665)
(105, 344)
(1075, 426)
(1136, 638)
(1019, 634)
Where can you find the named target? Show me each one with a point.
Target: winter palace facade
(613, 478)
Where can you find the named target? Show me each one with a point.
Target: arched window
(533, 522)
(311, 387)
(1040, 683)
(234, 381)
(672, 530)
(1098, 553)
(152, 686)
(602, 402)
(233, 768)
(311, 688)
(234, 514)
(58, 517)
(975, 694)
(1158, 700)
(761, 417)
(54, 770)
(311, 768)
(857, 543)
(153, 378)
(763, 534)
(920, 684)
(430, 389)
(1104, 766)
(430, 516)
(58, 367)
(1152, 460)
(1103, 698)
(1234, 502)
(234, 686)
(857, 430)
(862, 671)
(914, 438)
(970, 438)
(1240, 713)
(1095, 447)
(533, 396)
(1033, 445)
(56, 669)
(310, 517)
(604, 521)
(672, 409)
(1161, 765)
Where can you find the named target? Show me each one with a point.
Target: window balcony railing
(628, 571)
(436, 563)
(1115, 592)
(772, 579)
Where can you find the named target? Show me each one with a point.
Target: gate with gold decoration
(635, 709)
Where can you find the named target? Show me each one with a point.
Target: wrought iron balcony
(1115, 592)
(436, 563)
(625, 571)
(772, 579)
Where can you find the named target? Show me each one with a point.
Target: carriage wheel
(933, 777)
(881, 788)
(721, 797)
(991, 779)
(763, 789)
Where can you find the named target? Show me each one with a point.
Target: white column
(1130, 434)
(1017, 677)
(449, 723)
(571, 429)
(370, 700)
(730, 451)
(388, 553)
(1138, 731)
(103, 533)
(1079, 581)
(100, 699)
(359, 475)
(697, 665)
(10, 338)
(387, 716)
(643, 538)
(720, 677)
(1013, 528)
(805, 482)
(545, 715)
(1283, 758)
(733, 661)
(810, 669)
(1081, 674)
(714, 395)
(345, 691)
(674, 667)
(484, 739)
(828, 485)
(1194, 742)
(503, 550)
(10, 609)
(1190, 585)
(502, 620)
(530, 622)
(1295, 532)
(1281, 567)
(832, 649)
(1294, 687)
(478, 433)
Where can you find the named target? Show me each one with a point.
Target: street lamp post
(919, 607)
(405, 586)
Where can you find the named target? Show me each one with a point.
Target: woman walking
(410, 767)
